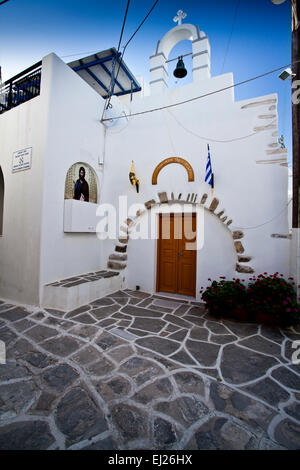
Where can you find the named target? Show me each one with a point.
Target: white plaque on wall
(22, 160)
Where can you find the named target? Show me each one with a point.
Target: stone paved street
(134, 371)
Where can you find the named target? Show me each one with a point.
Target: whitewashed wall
(74, 135)
(22, 127)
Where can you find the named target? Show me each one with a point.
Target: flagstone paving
(137, 371)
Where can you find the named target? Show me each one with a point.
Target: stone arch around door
(170, 160)
(1, 200)
(118, 259)
(90, 176)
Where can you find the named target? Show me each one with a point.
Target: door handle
(179, 254)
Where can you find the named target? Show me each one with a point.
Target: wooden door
(176, 263)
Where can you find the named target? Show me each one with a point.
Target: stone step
(70, 293)
(118, 256)
(117, 265)
(123, 240)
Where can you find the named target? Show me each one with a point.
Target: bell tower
(200, 54)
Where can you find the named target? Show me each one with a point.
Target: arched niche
(1, 200)
(90, 178)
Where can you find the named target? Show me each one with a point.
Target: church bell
(180, 71)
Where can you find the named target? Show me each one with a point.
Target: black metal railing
(21, 88)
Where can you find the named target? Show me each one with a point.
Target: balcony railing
(21, 88)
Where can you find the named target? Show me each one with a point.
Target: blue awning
(96, 70)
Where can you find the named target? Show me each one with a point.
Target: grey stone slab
(205, 353)
(293, 410)
(140, 312)
(105, 444)
(184, 358)
(15, 397)
(172, 328)
(121, 353)
(287, 433)
(60, 377)
(138, 333)
(171, 304)
(106, 341)
(139, 294)
(100, 368)
(78, 417)
(268, 391)
(102, 302)
(177, 321)
(153, 325)
(38, 359)
(121, 316)
(19, 348)
(160, 388)
(140, 369)
(259, 344)
(64, 324)
(77, 311)
(123, 334)
(179, 335)
(272, 333)
(14, 314)
(40, 332)
(7, 335)
(198, 333)
(189, 382)
(219, 434)
(194, 320)
(186, 410)
(198, 311)
(130, 421)
(102, 312)
(236, 404)
(55, 312)
(241, 329)
(27, 435)
(23, 325)
(12, 370)
(164, 433)
(144, 303)
(222, 339)
(181, 310)
(115, 388)
(44, 404)
(106, 323)
(217, 328)
(85, 331)
(163, 346)
(85, 318)
(86, 355)
(4, 307)
(161, 309)
(62, 346)
(287, 378)
(240, 365)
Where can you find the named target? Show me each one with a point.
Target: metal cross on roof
(180, 16)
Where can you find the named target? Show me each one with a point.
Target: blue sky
(261, 38)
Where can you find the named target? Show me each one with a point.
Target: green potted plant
(273, 300)
(226, 298)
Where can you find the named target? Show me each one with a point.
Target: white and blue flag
(209, 174)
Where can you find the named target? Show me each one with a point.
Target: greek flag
(209, 175)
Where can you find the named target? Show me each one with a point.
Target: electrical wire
(124, 48)
(110, 92)
(265, 223)
(205, 95)
(231, 32)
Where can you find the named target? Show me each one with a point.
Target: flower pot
(239, 313)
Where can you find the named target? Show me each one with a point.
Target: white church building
(62, 251)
